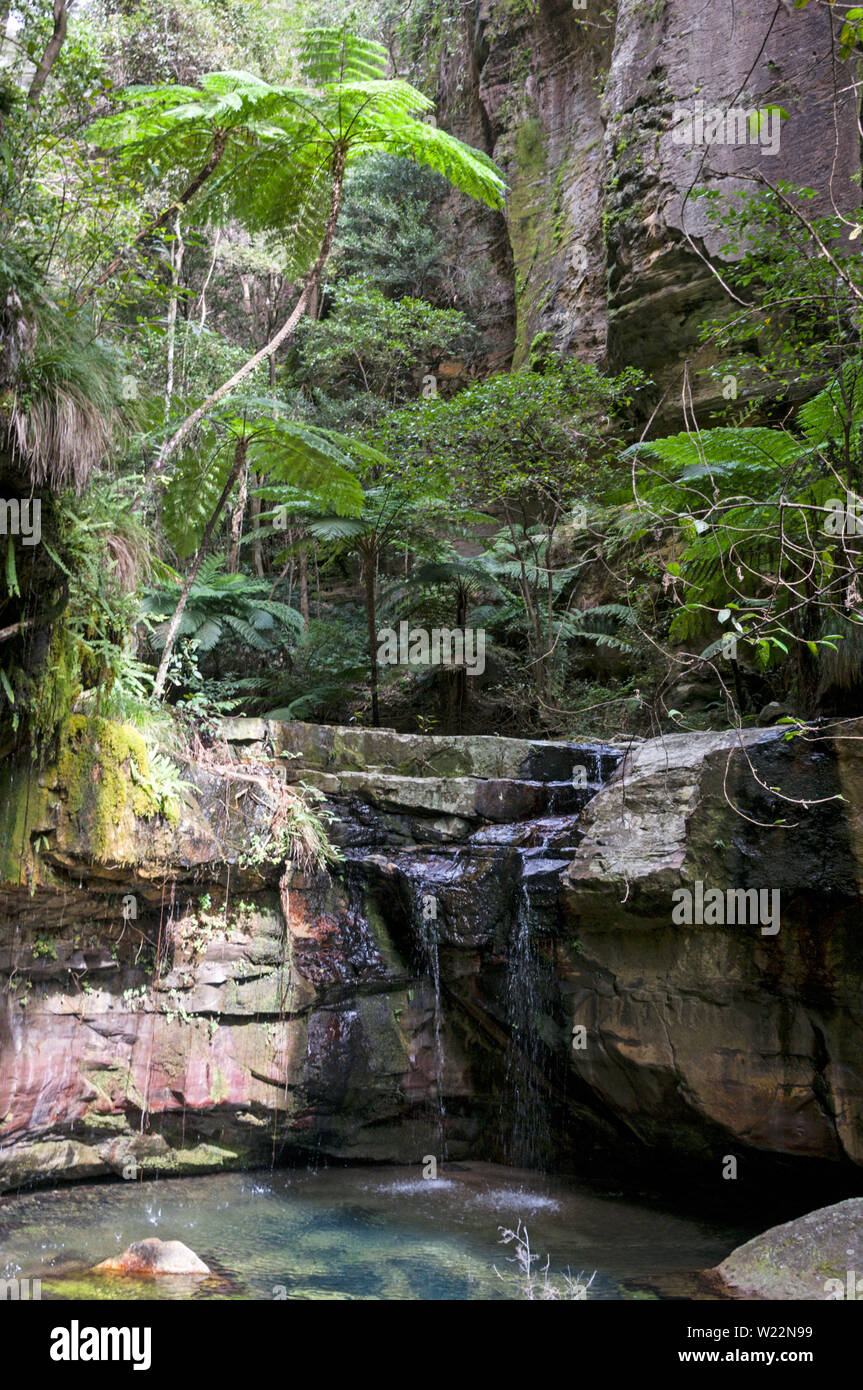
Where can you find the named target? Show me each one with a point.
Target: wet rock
(773, 712)
(154, 1256)
(346, 1012)
(705, 1036)
(342, 749)
(818, 1256)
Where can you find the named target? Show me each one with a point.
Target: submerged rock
(154, 1256)
(819, 1256)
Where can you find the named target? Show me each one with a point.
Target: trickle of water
(527, 1136)
(429, 935)
(544, 847)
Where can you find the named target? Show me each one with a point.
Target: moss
(60, 686)
(23, 807)
(104, 771)
(529, 152)
(526, 219)
(540, 349)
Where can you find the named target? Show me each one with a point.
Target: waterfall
(526, 1122)
(429, 933)
(464, 876)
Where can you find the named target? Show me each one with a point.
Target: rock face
(154, 1256)
(172, 1007)
(819, 1256)
(491, 969)
(601, 248)
(728, 1035)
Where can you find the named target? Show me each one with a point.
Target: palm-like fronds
(751, 505)
(224, 607)
(308, 460)
(275, 144)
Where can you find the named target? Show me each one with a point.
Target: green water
(367, 1233)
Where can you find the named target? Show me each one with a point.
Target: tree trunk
(49, 57)
(304, 584)
(369, 556)
(312, 281)
(237, 523)
(220, 143)
(255, 513)
(176, 266)
(171, 636)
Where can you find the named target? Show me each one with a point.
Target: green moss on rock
(104, 773)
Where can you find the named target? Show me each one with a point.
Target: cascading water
(475, 909)
(544, 847)
(526, 1128)
(430, 937)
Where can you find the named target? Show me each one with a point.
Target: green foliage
(751, 505)
(388, 235)
(545, 433)
(299, 456)
(370, 351)
(276, 143)
(231, 610)
(796, 278)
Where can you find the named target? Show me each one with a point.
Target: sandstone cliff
(171, 1001)
(601, 250)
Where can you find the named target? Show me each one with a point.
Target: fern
(276, 143)
(307, 460)
(225, 608)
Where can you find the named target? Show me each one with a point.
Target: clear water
(358, 1233)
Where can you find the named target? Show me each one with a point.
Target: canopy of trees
(248, 418)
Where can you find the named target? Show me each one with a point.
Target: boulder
(707, 1038)
(154, 1256)
(819, 1256)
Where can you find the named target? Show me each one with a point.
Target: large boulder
(819, 1256)
(712, 1038)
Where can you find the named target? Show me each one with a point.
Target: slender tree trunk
(288, 327)
(304, 584)
(255, 513)
(171, 636)
(527, 593)
(220, 143)
(292, 565)
(176, 266)
(49, 57)
(461, 673)
(549, 682)
(369, 556)
(237, 523)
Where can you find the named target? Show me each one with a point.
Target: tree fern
(284, 451)
(276, 142)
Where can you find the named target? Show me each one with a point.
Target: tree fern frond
(330, 53)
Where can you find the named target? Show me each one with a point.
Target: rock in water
(816, 1256)
(154, 1256)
